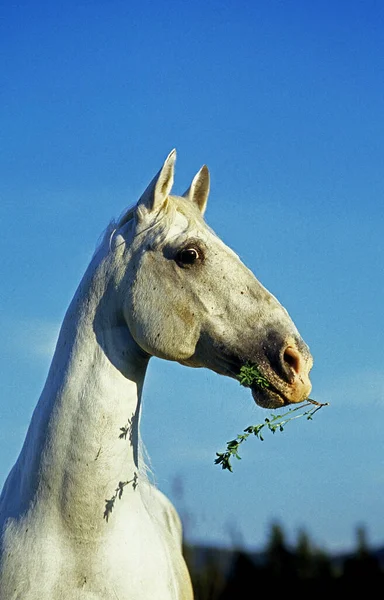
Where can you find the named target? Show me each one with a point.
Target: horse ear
(199, 190)
(158, 190)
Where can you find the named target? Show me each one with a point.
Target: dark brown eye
(187, 257)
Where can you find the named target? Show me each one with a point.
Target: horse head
(187, 297)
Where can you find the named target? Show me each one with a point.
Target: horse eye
(187, 256)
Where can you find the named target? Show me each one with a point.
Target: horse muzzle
(287, 372)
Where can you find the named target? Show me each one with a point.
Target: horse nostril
(289, 359)
(292, 359)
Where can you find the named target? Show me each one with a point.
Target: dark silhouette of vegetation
(362, 564)
(303, 568)
(219, 574)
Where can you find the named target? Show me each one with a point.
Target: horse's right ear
(159, 189)
(199, 189)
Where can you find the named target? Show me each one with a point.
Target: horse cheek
(173, 334)
(160, 324)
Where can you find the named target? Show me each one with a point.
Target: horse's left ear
(159, 189)
(199, 190)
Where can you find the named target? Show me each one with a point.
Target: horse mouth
(279, 393)
(284, 380)
(269, 397)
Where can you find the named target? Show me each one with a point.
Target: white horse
(78, 522)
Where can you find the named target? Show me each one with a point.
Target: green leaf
(250, 375)
(273, 423)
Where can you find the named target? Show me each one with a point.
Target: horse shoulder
(168, 522)
(167, 515)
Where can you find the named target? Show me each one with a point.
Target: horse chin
(267, 398)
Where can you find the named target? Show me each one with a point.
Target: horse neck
(83, 438)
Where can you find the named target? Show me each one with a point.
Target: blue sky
(284, 102)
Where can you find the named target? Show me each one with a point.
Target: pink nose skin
(297, 366)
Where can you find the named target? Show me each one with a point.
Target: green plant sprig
(249, 375)
(273, 423)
